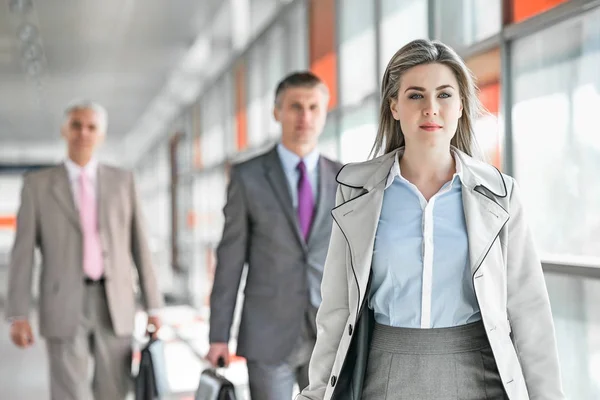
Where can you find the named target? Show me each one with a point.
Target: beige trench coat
(506, 270)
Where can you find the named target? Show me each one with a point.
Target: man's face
(301, 111)
(83, 132)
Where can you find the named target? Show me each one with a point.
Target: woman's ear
(394, 109)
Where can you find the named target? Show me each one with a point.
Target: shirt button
(333, 380)
(350, 329)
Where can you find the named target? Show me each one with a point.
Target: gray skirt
(432, 364)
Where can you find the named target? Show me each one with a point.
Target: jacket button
(350, 329)
(333, 380)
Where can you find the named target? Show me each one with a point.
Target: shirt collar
(74, 170)
(290, 160)
(395, 170)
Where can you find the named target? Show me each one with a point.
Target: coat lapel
(358, 219)
(279, 184)
(61, 190)
(485, 219)
(483, 188)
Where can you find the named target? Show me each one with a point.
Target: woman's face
(428, 105)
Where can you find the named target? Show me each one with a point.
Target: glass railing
(574, 292)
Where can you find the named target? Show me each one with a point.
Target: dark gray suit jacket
(261, 229)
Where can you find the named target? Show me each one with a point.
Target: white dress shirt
(75, 171)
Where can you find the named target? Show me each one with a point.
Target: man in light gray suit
(86, 220)
(277, 220)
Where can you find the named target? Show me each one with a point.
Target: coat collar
(367, 175)
(483, 191)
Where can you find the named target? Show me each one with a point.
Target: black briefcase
(151, 381)
(214, 386)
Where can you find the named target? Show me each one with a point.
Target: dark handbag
(350, 382)
(214, 386)
(151, 381)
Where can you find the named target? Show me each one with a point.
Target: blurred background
(189, 88)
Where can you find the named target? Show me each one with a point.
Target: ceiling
(120, 53)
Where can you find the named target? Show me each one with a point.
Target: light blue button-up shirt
(289, 162)
(421, 272)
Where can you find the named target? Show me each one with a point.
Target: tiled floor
(24, 374)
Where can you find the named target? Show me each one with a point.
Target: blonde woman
(432, 287)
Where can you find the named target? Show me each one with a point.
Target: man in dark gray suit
(277, 220)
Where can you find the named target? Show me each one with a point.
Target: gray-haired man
(86, 220)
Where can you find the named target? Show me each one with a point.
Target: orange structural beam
(8, 222)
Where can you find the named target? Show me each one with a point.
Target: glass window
(209, 199)
(212, 138)
(274, 72)
(395, 32)
(464, 22)
(323, 54)
(357, 50)
(574, 303)
(524, 9)
(196, 129)
(358, 131)
(229, 125)
(297, 40)
(261, 13)
(257, 130)
(184, 151)
(556, 100)
(486, 68)
(328, 142)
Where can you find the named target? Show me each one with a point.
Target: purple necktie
(306, 203)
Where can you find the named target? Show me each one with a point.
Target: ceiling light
(20, 6)
(32, 52)
(34, 68)
(27, 32)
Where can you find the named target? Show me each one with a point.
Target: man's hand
(21, 333)
(154, 325)
(218, 351)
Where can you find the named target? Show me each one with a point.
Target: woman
(432, 288)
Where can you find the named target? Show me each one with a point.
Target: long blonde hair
(421, 51)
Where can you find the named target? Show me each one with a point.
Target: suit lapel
(103, 185)
(61, 190)
(326, 192)
(485, 219)
(279, 184)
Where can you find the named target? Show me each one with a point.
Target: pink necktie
(92, 249)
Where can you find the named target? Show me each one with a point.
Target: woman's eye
(445, 95)
(415, 96)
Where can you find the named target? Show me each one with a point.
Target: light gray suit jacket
(261, 229)
(506, 273)
(48, 219)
